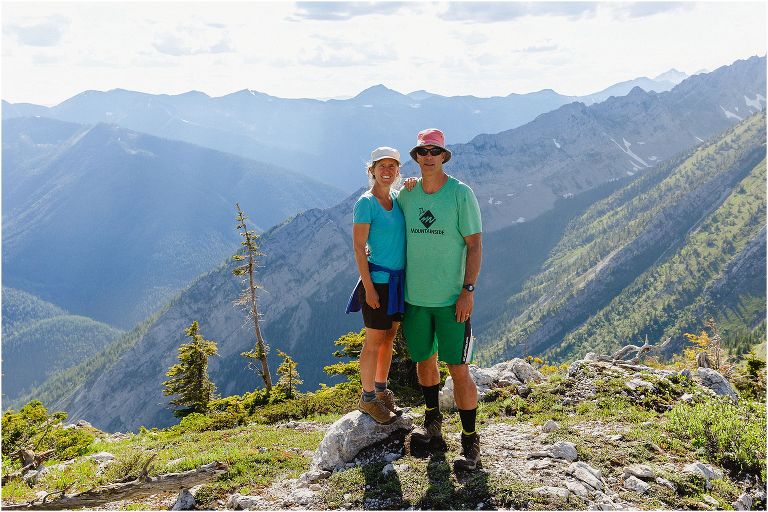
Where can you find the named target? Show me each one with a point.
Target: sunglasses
(433, 151)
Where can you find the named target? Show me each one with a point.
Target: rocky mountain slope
(129, 218)
(648, 259)
(593, 436)
(518, 174)
(299, 133)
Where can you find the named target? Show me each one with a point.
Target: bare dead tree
(248, 255)
(632, 354)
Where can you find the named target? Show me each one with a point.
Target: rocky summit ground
(596, 435)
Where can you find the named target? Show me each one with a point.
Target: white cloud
(47, 31)
(194, 40)
(340, 11)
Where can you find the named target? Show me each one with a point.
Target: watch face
(469, 287)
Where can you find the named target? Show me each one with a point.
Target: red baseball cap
(431, 137)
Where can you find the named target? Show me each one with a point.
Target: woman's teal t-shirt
(386, 239)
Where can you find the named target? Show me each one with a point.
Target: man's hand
(409, 183)
(464, 305)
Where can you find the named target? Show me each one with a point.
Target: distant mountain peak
(673, 75)
(378, 92)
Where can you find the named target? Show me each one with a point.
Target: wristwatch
(469, 287)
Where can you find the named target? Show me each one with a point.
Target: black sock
(380, 386)
(368, 395)
(431, 396)
(468, 417)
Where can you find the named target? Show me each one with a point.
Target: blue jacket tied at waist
(396, 302)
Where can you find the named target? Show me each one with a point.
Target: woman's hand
(409, 183)
(372, 298)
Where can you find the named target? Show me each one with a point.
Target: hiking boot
(388, 397)
(432, 429)
(377, 410)
(470, 453)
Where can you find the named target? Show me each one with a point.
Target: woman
(378, 224)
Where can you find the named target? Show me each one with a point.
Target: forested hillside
(652, 258)
(40, 339)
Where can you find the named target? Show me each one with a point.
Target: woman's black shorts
(378, 318)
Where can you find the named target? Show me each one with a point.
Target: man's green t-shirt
(435, 227)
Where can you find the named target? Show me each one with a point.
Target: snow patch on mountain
(730, 114)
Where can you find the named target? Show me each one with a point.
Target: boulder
(349, 435)
(242, 502)
(563, 450)
(577, 488)
(184, 501)
(550, 426)
(713, 380)
(102, 456)
(514, 372)
(704, 470)
(556, 492)
(640, 471)
(633, 483)
(640, 383)
(743, 503)
(587, 474)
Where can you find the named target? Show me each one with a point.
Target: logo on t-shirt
(426, 217)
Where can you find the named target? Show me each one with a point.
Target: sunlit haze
(52, 51)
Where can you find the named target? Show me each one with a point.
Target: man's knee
(460, 374)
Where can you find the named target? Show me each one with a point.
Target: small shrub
(729, 434)
(195, 422)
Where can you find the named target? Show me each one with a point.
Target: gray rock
(591, 356)
(640, 383)
(665, 482)
(540, 464)
(513, 372)
(83, 423)
(390, 457)
(388, 469)
(587, 474)
(315, 487)
(710, 500)
(744, 502)
(102, 456)
(242, 502)
(686, 397)
(563, 450)
(703, 470)
(350, 434)
(640, 471)
(550, 426)
(635, 484)
(557, 492)
(314, 475)
(713, 380)
(184, 501)
(686, 374)
(577, 488)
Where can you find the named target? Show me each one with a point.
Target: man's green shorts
(429, 330)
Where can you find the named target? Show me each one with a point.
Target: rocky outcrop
(351, 434)
(712, 379)
(515, 372)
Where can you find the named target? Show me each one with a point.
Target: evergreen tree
(189, 378)
(289, 376)
(250, 252)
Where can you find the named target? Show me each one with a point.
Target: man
(444, 250)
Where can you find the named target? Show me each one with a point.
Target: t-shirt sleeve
(361, 213)
(469, 212)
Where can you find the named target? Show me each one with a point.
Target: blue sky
(54, 50)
